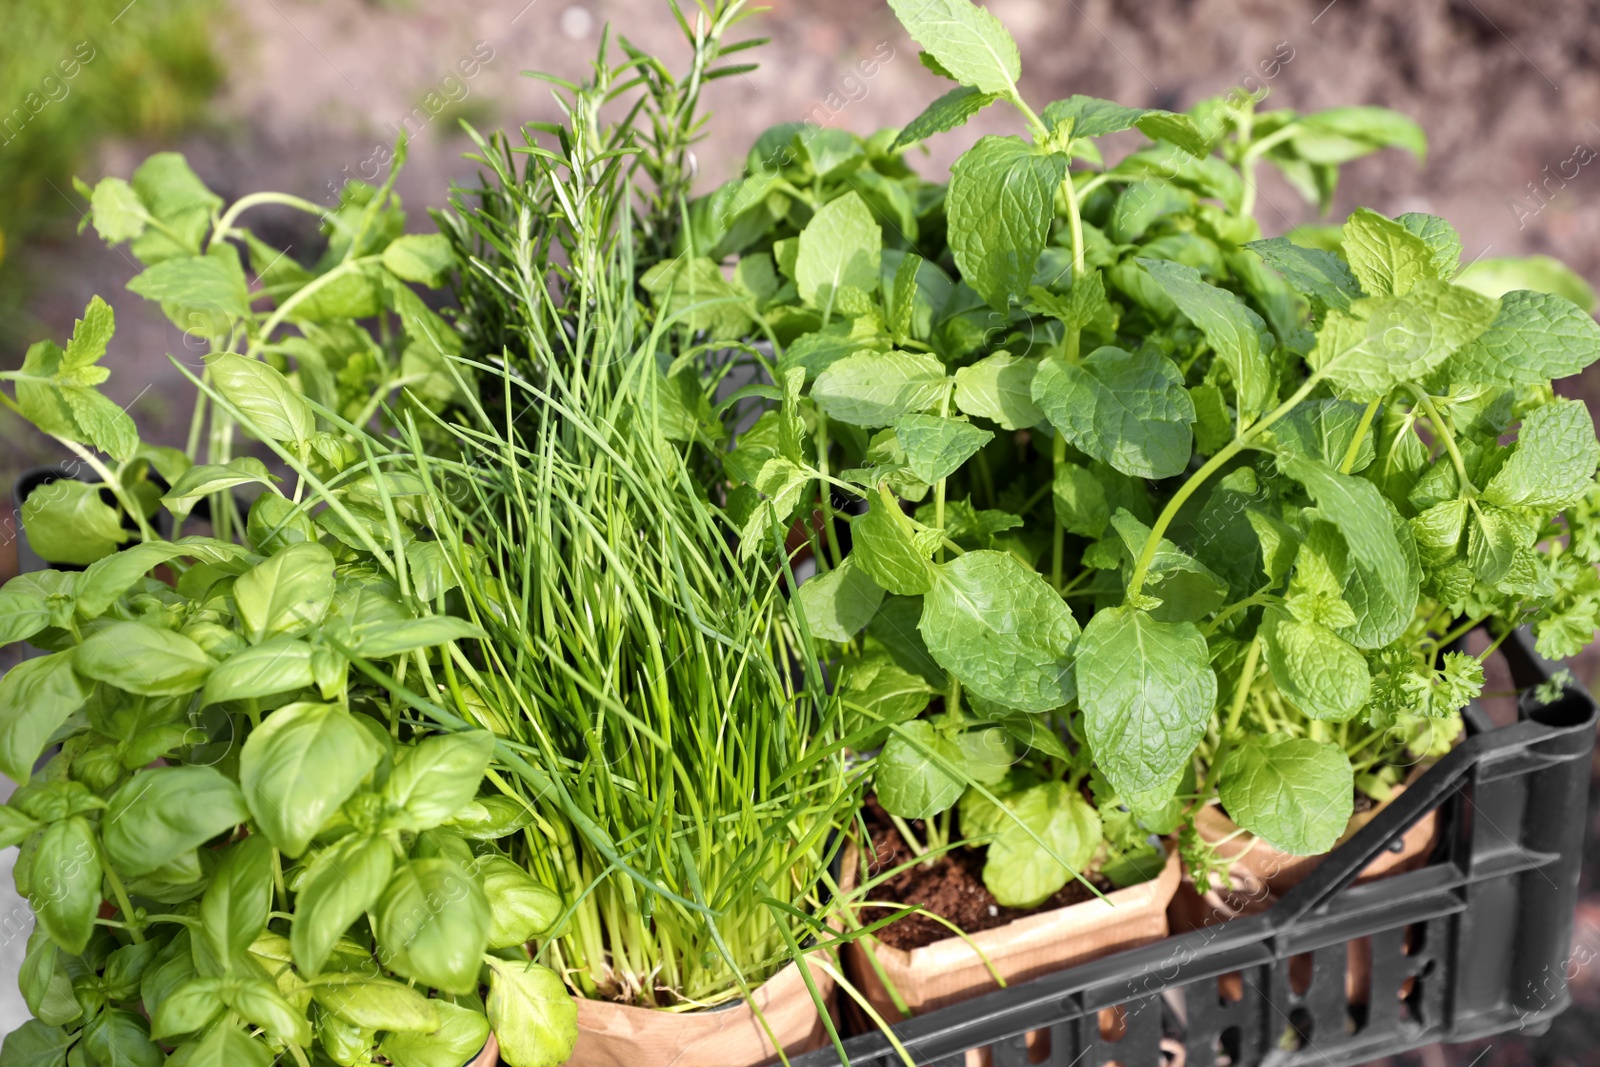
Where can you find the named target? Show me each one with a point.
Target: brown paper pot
(620, 1035)
(489, 1057)
(948, 971)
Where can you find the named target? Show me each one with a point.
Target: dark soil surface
(952, 887)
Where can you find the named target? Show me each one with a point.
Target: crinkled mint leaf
(1379, 343)
(1187, 589)
(1001, 204)
(966, 41)
(1051, 833)
(1314, 272)
(1386, 258)
(950, 111)
(936, 446)
(1129, 409)
(1000, 388)
(918, 773)
(1093, 117)
(1439, 236)
(1356, 507)
(1321, 674)
(839, 604)
(893, 550)
(1295, 793)
(1236, 333)
(841, 246)
(875, 388)
(1533, 338)
(1554, 462)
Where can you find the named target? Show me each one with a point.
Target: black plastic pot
(1475, 943)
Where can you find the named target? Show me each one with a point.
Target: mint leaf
(917, 773)
(1439, 236)
(1085, 307)
(1147, 692)
(1554, 461)
(950, 111)
(1381, 342)
(1080, 501)
(1356, 507)
(1001, 630)
(1493, 539)
(210, 283)
(936, 446)
(876, 388)
(1093, 117)
(839, 604)
(1295, 793)
(1321, 674)
(1000, 388)
(841, 246)
(90, 335)
(969, 44)
(1323, 430)
(1386, 258)
(1382, 612)
(1500, 275)
(1313, 272)
(1188, 589)
(1340, 134)
(1128, 409)
(1051, 833)
(693, 290)
(119, 215)
(1534, 337)
(1237, 334)
(1001, 203)
(892, 549)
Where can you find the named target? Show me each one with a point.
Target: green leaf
(1000, 388)
(950, 111)
(1492, 542)
(1340, 134)
(841, 246)
(694, 291)
(839, 604)
(1321, 674)
(1498, 276)
(439, 776)
(23, 612)
(204, 479)
(1001, 203)
(520, 908)
(1093, 117)
(424, 258)
(1358, 509)
(876, 388)
(1439, 236)
(433, 924)
(233, 911)
(287, 594)
(998, 627)
(143, 659)
(1382, 612)
(118, 213)
(67, 522)
(64, 890)
(1187, 589)
(461, 1034)
(262, 396)
(188, 1008)
(1147, 692)
(1236, 334)
(45, 980)
(1080, 501)
(282, 665)
(1379, 343)
(1323, 430)
(201, 283)
(341, 883)
(372, 1003)
(38, 696)
(968, 43)
(118, 1038)
(158, 815)
(936, 446)
(918, 773)
(33, 1044)
(299, 766)
(1295, 793)
(1534, 337)
(1127, 409)
(891, 549)
(108, 578)
(1314, 272)
(223, 1046)
(531, 1013)
(887, 692)
(1554, 462)
(90, 335)
(1386, 258)
(1022, 873)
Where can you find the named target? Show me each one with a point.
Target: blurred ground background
(298, 95)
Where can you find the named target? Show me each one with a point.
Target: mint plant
(1091, 468)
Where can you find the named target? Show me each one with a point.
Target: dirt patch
(952, 886)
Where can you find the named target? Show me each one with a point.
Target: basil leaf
(426, 258)
(118, 1038)
(299, 766)
(531, 1013)
(379, 1004)
(288, 593)
(1019, 870)
(202, 480)
(1295, 793)
(234, 909)
(432, 924)
(439, 776)
(143, 659)
(282, 665)
(1128, 409)
(461, 1034)
(1000, 204)
(64, 890)
(387, 638)
(158, 815)
(258, 1001)
(342, 882)
(46, 982)
(39, 695)
(1147, 692)
(520, 908)
(969, 44)
(262, 396)
(67, 522)
(998, 627)
(839, 604)
(918, 773)
(223, 1046)
(33, 1044)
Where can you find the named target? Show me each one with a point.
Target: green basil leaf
(394, 637)
(461, 1034)
(918, 773)
(263, 397)
(299, 766)
(143, 659)
(1001, 203)
(258, 1001)
(433, 924)
(117, 1038)
(223, 1046)
(439, 776)
(202, 480)
(46, 982)
(282, 665)
(67, 522)
(158, 815)
(39, 695)
(234, 909)
(33, 1044)
(427, 259)
(286, 594)
(1295, 793)
(531, 1013)
(520, 908)
(64, 890)
(998, 627)
(1128, 409)
(378, 1003)
(1147, 692)
(341, 883)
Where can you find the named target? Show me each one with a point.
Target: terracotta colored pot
(489, 1057)
(950, 970)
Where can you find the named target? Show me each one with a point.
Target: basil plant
(1105, 490)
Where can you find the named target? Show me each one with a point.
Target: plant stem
(1247, 166)
(1058, 456)
(1362, 427)
(224, 225)
(1449, 440)
(826, 496)
(112, 483)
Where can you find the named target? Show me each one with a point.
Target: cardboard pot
(949, 970)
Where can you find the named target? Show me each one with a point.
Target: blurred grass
(142, 69)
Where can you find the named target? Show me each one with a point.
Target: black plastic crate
(1475, 943)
